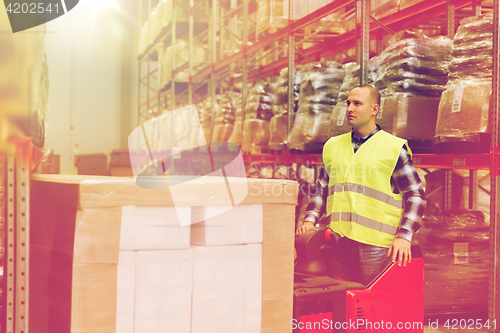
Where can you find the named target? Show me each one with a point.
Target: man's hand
(305, 226)
(401, 251)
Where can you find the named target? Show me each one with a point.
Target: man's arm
(317, 205)
(409, 185)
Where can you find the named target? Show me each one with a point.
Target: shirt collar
(363, 139)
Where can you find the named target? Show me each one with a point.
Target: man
(370, 190)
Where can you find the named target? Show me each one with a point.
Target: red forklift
(383, 303)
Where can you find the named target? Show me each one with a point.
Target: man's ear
(375, 109)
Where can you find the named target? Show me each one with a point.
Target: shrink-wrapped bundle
(455, 249)
(224, 119)
(415, 65)
(237, 134)
(143, 40)
(258, 113)
(278, 128)
(472, 49)
(273, 14)
(181, 58)
(281, 101)
(205, 114)
(464, 105)
(279, 122)
(260, 101)
(413, 69)
(319, 89)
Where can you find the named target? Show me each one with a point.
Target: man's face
(360, 108)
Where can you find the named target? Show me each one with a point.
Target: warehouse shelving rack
(367, 28)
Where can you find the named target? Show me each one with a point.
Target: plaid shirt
(404, 180)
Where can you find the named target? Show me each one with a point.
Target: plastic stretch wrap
(260, 101)
(351, 80)
(200, 56)
(455, 250)
(205, 114)
(464, 108)
(225, 118)
(255, 133)
(415, 65)
(143, 40)
(273, 14)
(278, 128)
(237, 134)
(473, 49)
(319, 89)
(383, 8)
(281, 101)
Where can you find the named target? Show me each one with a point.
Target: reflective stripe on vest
(369, 192)
(364, 221)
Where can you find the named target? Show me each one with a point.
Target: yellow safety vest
(360, 201)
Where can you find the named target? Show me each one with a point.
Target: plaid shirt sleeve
(409, 185)
(405, 180)
(317, 205)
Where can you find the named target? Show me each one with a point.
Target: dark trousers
(354, 261)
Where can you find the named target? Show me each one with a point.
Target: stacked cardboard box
(119, 163)
(109, 256)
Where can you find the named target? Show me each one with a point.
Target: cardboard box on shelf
(121, 172)
(416, 117)
(464, 108)
(92, 164)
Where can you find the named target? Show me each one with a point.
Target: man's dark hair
(375, 95)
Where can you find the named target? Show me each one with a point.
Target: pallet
(470, 143)
(255, 150)
(309, 148)
(421, 146)
(277, 148)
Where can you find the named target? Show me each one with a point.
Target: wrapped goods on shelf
(205, 114)
(473, 49)
(415, 65)
(225, 118)
(200, 56)
(384, 7)
(407, 3)
(319, 89)
(464, 108)
(143, 40)
(24, 85)
(237, 134)
(255, 133)
(260, 101)
(278, 128)
(281, 101)
(455, 249)
(273, 15)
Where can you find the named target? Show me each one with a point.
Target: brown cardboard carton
(464, 108)
(416, 117)
(92, 164)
